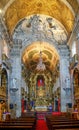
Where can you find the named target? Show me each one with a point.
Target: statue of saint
(14, 82)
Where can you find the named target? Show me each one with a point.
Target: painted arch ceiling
(64, 11)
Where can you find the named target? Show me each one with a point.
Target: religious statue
(14, 82)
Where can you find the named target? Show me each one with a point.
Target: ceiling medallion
(40, 65)
(39, 4)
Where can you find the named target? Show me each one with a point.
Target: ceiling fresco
(31, 55)
(3, 3)
(55, 8)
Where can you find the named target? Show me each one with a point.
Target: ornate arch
(76, 82)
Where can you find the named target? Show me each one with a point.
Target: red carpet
(41, 125)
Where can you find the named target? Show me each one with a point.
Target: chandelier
(40, 65)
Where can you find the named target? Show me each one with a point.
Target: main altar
(41, 100)
(40, 94)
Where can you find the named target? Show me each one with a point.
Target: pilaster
(15, 86)
(64, 77)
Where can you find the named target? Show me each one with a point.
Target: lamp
(40, 65)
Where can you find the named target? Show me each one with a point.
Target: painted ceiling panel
(61, 10)
(3, 3)
(55, 8)
(31, 57)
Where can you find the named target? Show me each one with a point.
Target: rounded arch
(76, 80)
(28, 19)
(26, 8)
(40, 27)
(30, 55)
(4, 78)
(52, 43)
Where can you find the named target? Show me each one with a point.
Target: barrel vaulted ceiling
(32, 55)
(64, 11)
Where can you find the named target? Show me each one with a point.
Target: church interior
(39, 57)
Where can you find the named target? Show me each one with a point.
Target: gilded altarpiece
(3, 94)
(40, 92)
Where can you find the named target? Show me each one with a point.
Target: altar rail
(42, 114)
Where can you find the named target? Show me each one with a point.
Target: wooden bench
(26, 123)
(61, 122)
(18, 125)
(62, 126)
(66, 124)
(69, 129)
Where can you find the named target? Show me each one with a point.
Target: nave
(39, 58)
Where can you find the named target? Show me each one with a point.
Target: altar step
(41, 114)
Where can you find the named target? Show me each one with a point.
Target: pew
(69, 129)
(27, 123)
(57, 123)
(26, 126)
(58, 127)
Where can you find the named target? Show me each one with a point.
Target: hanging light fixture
(40, 65)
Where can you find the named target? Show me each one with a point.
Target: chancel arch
(33, 35)
(40, 82)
